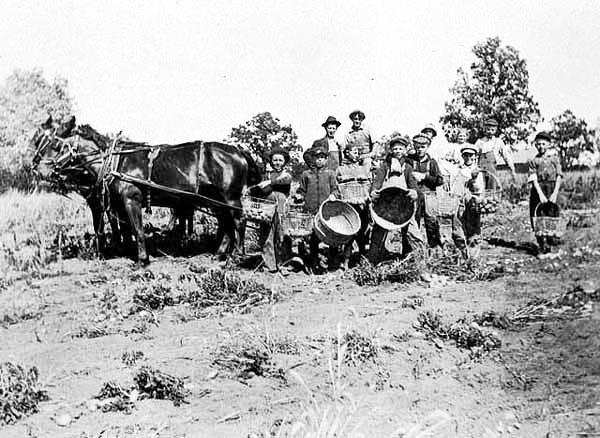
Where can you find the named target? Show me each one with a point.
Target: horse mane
(89, 133)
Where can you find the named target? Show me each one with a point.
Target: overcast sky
(172, 71)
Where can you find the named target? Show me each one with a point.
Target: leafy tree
(26, 100)
(264, 132)
(496, 86)
(572, 137)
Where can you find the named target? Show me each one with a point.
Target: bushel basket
(336, 222)
(393, 209)
(354, 192)
(548, 226)
(491, 197)
(441, 204)
(258, 209)
(295, 222)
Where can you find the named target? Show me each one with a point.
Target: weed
(130, 358)
(19, 392)
(152, 383)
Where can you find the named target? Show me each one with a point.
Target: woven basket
(441, 204)
(393, 209)
(546, 226)
(336, 222)
(490, 198)
(354, 192)
(258, 209)
(296, 223)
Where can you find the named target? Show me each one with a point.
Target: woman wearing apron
(489, 146)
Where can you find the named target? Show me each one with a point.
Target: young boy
(394, 171)
(350, 172)
(429, 177)
(545, 175)
(469, 184)
(317, 185)
(489, 147)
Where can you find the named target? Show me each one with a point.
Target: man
(489, 147)
(360, 136)
(329, 143)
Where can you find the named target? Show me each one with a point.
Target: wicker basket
(547, 226)
(354, 192)
(258, 209)
(490, 198)
(441, 204)
(336, 222)
(393, 209)
(295, 222)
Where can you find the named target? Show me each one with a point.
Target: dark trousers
(361, 237)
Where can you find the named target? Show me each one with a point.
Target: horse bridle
(46, 139)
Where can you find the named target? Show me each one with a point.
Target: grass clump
(19, 392)
(152, 383)
(359, 348)
(130, 358)
(225, 289)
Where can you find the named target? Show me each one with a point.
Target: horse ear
(48, 123)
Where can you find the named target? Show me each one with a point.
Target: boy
(394, 171)
(490, 146)
(545, 175)
(429, 177)
(317, 185)
(350, 172)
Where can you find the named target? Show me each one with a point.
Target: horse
(129, 176)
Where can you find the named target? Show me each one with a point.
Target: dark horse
(126, 176)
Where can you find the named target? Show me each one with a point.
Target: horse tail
(254, 175)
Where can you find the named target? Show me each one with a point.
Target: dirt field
(542, 382)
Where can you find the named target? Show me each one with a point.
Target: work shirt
(545, 168)
(495, 145)
(428, 166)
(360, 137)
(315, 186)
(280, 182)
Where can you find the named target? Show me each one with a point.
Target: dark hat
(429, 127)
(468, 148)
(279, 151)
(360, 114)
(398, 139)
(543, 135)
(311, 153)
(491, 122)
(331, 120)
(421, 139)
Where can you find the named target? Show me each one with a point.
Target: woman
(394, 171)
(276, 247)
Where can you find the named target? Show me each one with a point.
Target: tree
(263, 133)
(26, 101)
(572, 137)
(497, 86)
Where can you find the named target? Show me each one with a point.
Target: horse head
(58, 150)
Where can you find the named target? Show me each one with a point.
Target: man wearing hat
(359, 135)
(489, 147)
(427, 173)
(329, 143)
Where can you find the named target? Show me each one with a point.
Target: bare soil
(543, 381)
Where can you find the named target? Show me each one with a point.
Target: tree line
(495, 85)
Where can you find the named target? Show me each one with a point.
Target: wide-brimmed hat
(360, 114)
(491, 122)
(331, 120)
(311, 153)
(279, 151)
(469, 148)
(429, 127)
(421, 139)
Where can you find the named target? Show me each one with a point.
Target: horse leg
(227, 230)
(98, 222)
(133, 207)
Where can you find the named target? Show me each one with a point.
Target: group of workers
(465, 170)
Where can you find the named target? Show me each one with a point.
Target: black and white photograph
(299, 219)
